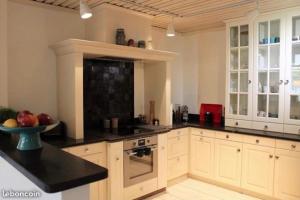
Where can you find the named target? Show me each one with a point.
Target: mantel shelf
(95, 49)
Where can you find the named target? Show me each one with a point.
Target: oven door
(139, 168)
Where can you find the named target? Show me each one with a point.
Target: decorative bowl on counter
(29, 136)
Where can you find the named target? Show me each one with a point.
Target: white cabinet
(287, 175)
(95, 153)
(162, 161)
(269, 66)
(228, 162)
(115, 171)
(258, 169)
(239, 71)
(178, 141)
(292, 73)
(202, 156)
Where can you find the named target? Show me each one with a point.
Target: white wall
(107, 19)
(32, 64)
(3, 53)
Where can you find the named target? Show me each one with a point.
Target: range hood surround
(70, 54)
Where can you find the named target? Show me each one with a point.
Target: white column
(3, 53)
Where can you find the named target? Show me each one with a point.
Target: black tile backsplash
(108, 91)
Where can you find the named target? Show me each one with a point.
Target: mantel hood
(92, 49)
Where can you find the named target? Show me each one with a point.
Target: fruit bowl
(29, 136)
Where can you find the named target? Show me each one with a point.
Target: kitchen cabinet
(239, 70)
(272, 99)
(178, 141)
(162, 161)
(95, 153)
(228, 162)
(115, 182)
(258, 168)
(269, 66)
(202, 156)
(292, 70)
(287, 174)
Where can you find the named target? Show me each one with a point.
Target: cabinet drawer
(178, 132)
(265, 126)
(229, 136)
(177, 166)
(238, 123)
(87, 149)
(141, 189)
(203, 132)
(178, 146)
(268, 142)
(292, 129)
(288, 145)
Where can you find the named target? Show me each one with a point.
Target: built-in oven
(140, 160)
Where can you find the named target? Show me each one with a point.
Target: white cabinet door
(162, 161)
(258, 169)
(228, 162)
(292, 75)
(115, 183)
(177, 167)
(202, 156)
(269, 66)
(287, 175)
(177, 146)
(239, 71)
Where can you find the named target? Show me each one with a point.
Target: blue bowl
(29, 136)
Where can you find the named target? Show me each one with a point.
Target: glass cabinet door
(268, 70)
(239, 70)
(292, 81)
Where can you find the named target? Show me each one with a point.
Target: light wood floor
(191, 189)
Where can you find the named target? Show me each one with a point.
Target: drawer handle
(227, 136)
(86, 149)
(238, 150)
(270, 156)
(200, 138)
(236, 123)
(293, 146)
(277, 157)
(266, 127)
(257, 141)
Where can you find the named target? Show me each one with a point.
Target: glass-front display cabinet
(239, 50)
(292, 81)
(269, 38)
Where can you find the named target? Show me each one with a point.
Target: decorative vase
(120, 37)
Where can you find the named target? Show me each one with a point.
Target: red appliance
(215, 109)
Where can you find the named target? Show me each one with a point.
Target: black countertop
(50, 168)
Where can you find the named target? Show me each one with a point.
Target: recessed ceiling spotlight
(171, 30)
(85, 11)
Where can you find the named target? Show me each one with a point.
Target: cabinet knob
(163, 148)
(178, 138)
(280, 82)
(249, 81)
(266, 127)
(178, 159)
(238, 150)
(286, 82)
(117, 158)
(227, 136)
(270, 156)
(277, 157)
(257, 141)
(86, 149)
(200, 138)
(178, 132)
(236, 123)
(293, 146)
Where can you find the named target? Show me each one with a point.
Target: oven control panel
(140, 142)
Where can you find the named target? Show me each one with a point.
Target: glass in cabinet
(239, 50)
(268, 70)
(292, 82)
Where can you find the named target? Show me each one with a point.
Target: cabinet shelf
(270, 44)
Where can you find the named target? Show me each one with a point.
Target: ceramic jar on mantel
(120, 37)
